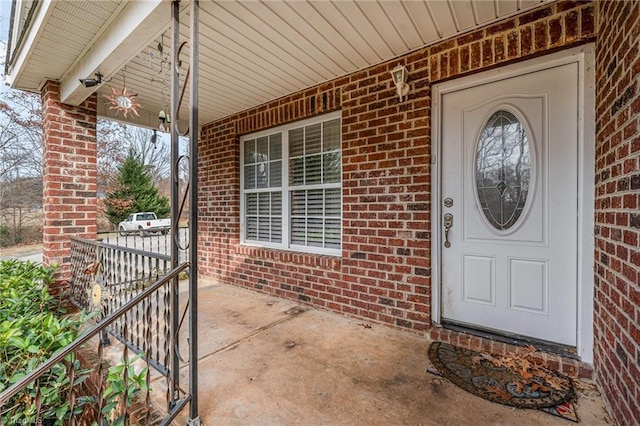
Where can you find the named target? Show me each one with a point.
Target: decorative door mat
(518, 380)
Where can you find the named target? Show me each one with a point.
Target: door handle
(448, 223)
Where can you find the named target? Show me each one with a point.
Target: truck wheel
(164, 232)
(122, 231)
(142, 232)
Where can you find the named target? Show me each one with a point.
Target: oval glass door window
(503, 170)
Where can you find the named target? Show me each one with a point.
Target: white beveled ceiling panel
(255, 51)
(70, 30)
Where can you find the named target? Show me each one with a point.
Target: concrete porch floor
(268, 361)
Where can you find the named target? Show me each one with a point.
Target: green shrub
(4, 235)
(114, 394)
(32, 328)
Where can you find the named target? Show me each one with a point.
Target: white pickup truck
(144, 224)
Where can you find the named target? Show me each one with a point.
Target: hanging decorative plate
(123, 102)
(96, 294)
(99, 295)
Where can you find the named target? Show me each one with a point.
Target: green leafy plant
(118, 394)
(32, 328)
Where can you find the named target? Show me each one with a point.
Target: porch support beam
(194, 132)
(174, 362)
(137, 25)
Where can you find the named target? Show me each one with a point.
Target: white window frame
(286, 188)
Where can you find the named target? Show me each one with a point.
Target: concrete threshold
(269, 361)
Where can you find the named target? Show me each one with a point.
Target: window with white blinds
(291, 186)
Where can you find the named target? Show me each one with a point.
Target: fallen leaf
(557, 382)
(539, 387)
(519, 386)
(491, 359)
(498, 392)
(524, 373)
(476, 360)
(529, 350)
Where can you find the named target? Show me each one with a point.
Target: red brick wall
(384, 272)
(70, 176)
(617, 289)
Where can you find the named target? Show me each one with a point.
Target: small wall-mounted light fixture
(163, 119)
(92, 82)
(399, 75)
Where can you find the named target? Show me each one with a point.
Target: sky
(5, 14)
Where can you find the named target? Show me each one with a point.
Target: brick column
(617, 210)
(69, 179)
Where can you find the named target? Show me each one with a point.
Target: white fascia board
(25, 50)
(139, 23)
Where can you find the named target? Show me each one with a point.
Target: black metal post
(194, 132)
(174, 363)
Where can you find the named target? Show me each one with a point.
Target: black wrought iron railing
(153, 242)
(104, 277)
(139, 302)
(135, 288)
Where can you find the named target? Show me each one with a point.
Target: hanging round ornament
(123, 102)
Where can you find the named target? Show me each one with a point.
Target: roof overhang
(250, 51)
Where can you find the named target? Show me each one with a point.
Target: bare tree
(112, 150)
(20, 211)
(21, 160)
(153, 152)
(20, 167)
(114, 142)
(20, 135)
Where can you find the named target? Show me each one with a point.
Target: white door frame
(584, 57)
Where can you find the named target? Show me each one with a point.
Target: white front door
(508, 205)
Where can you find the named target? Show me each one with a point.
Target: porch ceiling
(250, 51)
